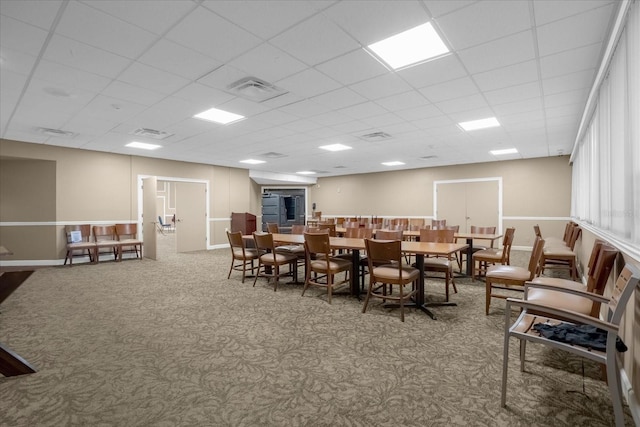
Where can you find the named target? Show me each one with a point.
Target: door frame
(209, 246)
(458, 181)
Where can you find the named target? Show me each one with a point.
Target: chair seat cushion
(81, 245)
(508, 272)
(248, 253)
(439, 263)
(290, 249)
(107, 243)
(279, 258)
(391, 272)
(558, 251)
(125, 242)
(489, 254)
(335, 264)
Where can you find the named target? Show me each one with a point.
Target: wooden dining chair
(509, 277)
(293, 249)
(106, 238)
(322, 266)
(440, 265)
(436, 223)
(270, 261)
(241, 256)
(547, 327)
(483, 258)
(79, 240)
(382, 272)
(127, 235)
(562, 257)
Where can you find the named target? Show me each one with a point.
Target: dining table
(416, 248)
(469, 238)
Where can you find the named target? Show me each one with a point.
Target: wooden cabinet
(243, 221)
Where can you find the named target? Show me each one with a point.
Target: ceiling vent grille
(273, 155)
(151, 133)
(56, 132)
(376, 136)
(254, 89)
(428, 157)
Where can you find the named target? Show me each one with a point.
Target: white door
(468, 203)
(191, 217)
(149, 216)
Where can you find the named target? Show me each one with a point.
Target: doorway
(469, 202)
(192, 228)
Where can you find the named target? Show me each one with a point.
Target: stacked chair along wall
(541, 324)
(241, 256)
(322, 267)
(127, 236)
(386, 268)
(106, 238)
(440, 265)
(79, 240)
(543, 290)
(562, 256)
(510, 277)
(270, 261)
(483, 258)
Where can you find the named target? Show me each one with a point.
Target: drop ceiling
(89, 74)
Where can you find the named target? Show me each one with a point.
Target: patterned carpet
(174, 343)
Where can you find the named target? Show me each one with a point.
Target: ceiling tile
(522, 106)
(38, 13)
(564, 98)
(352, 67)
(580, 59)
(464, 103)
(371, 21)
(179, 60)
(268, 63)
(308, 83)
(449, 90)
(315, 40)
(513, 93)
(22, 37)
(432, 72)
(16, 61)
(442, 7)
(131, 93)
(381, 86)
(84, 57)
(499, 53)
(576, 31)
(204, 31)
(263, 18)
(419, 112)
(153, 79)
(366, 109)
(484, 21)
(203, 95)
(70, 77)
(93, 27)
(403, 101)
(512, 75)
(578, 80)
(546, 12)
(339, 98)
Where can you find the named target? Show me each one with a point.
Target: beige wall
(79, 186)
(535, 191)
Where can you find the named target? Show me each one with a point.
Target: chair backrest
(437, 236)
(330, 220)
(399, 226)
(601, 264)
(235, 240)
(298, 228)
(567, 231)
(317, 215)
(317, 243)
(339, 221)
(84, 229)
(272, 227)
(389, 235)
(126, 230)
(483, 230)
(104, 232)
(264, 241)
(359, 233)
(438, 222)
(536, 229)
(160, 220)
(331, 229)
(627, 282)
(536, 254)
(351, 224)
(575, 233)
(381, 252)
(506, 244)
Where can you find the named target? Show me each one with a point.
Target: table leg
(355, 273)
(470, 257)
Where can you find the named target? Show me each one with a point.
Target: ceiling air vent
(151, 133)
(254, 89)
(273, 155)
(376, 136)
(56, 132)
(428, 157)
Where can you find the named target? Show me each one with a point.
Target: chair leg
(366, 299)
(523, 350)
(505, 362)
(231, 269)
(401, 304)
(613, 377)
(257, 274)
(487, 296)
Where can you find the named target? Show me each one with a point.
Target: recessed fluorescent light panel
(335, 147)
(306, 172)
(252, 161)
(410, 47)
(395, 163)
(505, 151)
(143, 145)
(219, 116)
(479, 124)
